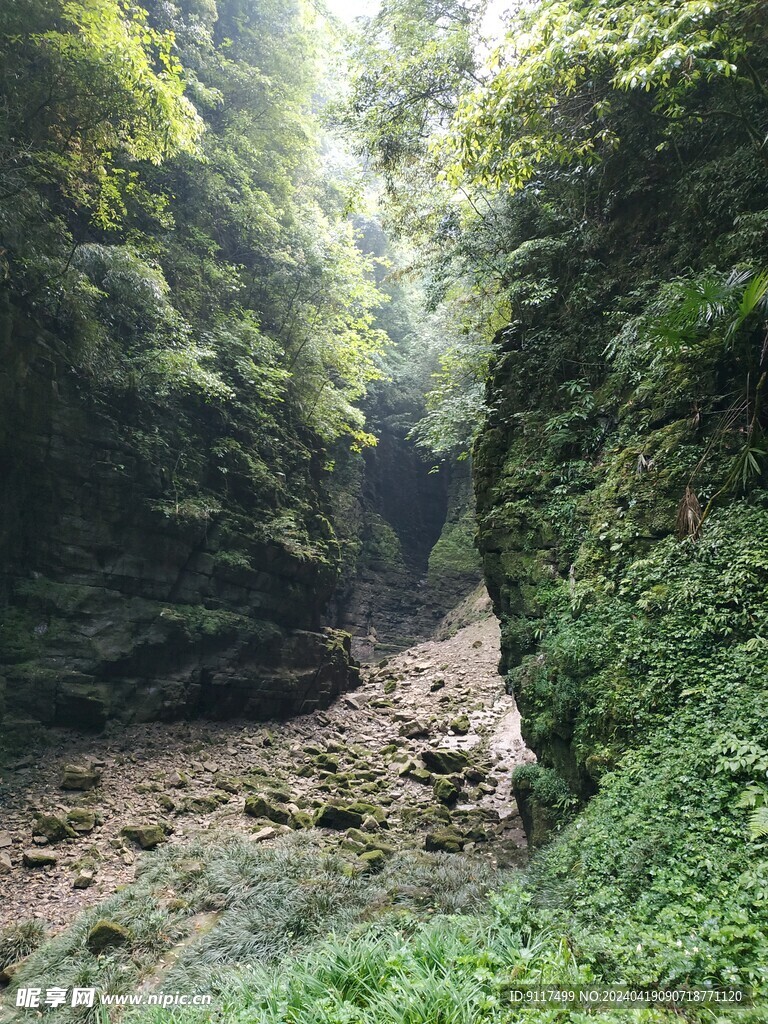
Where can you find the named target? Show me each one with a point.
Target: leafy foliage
(555, 93)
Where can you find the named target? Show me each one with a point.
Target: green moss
(455, 550)
(381, 544)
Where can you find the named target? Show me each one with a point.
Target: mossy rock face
(146, 836)
(446, 840)
(258, 806)
(539, 819)
(104, 935)
(54, 829)
(444, 762)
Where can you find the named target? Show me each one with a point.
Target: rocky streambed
(419, 756)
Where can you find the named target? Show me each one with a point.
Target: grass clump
(19, 940)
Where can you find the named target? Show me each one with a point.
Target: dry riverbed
(420, 755)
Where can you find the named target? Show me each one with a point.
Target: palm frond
(754, 294)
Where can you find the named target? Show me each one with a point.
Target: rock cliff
(138, 588)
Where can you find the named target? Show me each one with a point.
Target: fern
(758, 823)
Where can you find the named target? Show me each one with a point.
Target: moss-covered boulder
(104, 935)
(260, 806)
(337, 817)
(445, 840)
(443, 761)
(461, 725)
(301, 819)
(81, 820)
(352, 815)
(54, 828)
(446, 790)
(146, 836)
(327, 762)
(372, 860)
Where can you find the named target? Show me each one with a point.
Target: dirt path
(193, 778)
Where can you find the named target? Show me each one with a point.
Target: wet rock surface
(349, 771)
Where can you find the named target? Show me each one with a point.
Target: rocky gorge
(420, 756)
(384, 459)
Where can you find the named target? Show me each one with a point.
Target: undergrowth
(257, 905)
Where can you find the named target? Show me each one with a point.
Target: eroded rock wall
(116, 603)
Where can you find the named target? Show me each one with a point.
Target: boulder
(258, 806)
(418, 774)
(327, 762)
(447, 840)
(460, 725)
(372, 860)
(414, 729)
(81, 820)
(302, 819)
(330, 816)
(84, 879)
(5, 863)
(146, 836)
(54, 829)
(352, 815)
(204, 803)
(79, 777)
(263, 834)
(106, 935)
(38, 858)
(446, 790)
(227, 783)
(444, 762)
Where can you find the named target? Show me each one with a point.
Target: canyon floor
(375, 771)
